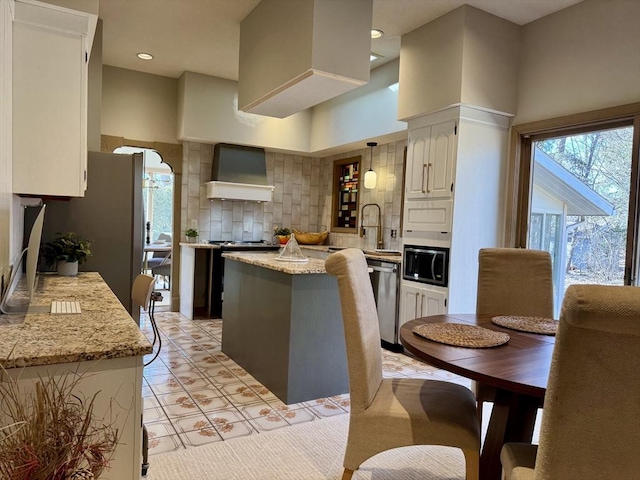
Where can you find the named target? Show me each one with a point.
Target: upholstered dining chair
(388, 413)
(591, 420)
(141, 291)
(157, 259)
(164, 270)
(515, 281)
(512, 281)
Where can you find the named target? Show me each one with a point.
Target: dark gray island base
(282, 323)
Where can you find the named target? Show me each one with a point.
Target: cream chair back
(361, 328)
(591, 422)
(515, 281)
(141, 290)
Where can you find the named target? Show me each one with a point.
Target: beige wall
(138, 105)
(208, 113)
(431, 66)
(369, 112)
(465, 57)
(490, 61)
(583, 58)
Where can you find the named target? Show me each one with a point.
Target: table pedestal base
(512, 420)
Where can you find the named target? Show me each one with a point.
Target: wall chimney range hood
(239, 173)
(297, 54)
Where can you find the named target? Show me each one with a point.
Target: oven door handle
(433, 267)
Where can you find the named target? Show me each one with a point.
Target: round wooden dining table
(518, 371)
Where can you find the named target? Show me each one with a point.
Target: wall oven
(426, 265)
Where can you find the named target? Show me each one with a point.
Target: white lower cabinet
(419, 300)
(117, 386)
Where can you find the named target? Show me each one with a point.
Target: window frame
(520, 170)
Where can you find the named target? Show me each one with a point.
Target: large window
(578, 199)
(158, 203)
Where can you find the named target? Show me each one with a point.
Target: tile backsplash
(301, 200)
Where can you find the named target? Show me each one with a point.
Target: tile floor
(194, 394)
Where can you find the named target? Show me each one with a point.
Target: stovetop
(244, 245)
(239, 242)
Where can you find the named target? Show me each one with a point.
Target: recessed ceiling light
(375, 33)
(145, 56)
(373, 57)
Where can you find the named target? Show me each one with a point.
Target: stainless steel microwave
(426, 265)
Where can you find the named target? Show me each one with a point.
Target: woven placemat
(545, 326)
(460, 335)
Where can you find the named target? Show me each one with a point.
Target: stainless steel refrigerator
(111, 216)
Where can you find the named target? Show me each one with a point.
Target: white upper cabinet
(430, 158)
(429, 176)
(417, 161)
(51, 47)
(441, 155)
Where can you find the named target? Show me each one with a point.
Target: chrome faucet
(379, 241)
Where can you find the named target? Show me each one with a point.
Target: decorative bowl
(310, 238)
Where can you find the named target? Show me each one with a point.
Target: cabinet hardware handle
(428, 169)
(415, 309)
(424, 167)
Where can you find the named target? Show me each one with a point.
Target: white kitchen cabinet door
(417, 161)
(442, 151)
(430, 157)
(50, 59)
(428, 216)
(419, 300)
(117, 384)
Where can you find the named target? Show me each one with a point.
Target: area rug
(309, 451)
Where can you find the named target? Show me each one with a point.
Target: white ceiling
(203, 36)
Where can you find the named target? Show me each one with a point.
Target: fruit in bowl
(310, 238)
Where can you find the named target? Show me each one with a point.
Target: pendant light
(370, 177)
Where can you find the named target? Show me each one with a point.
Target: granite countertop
(367, 253)
(269, 260)
(103, 330)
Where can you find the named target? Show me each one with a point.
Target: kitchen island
(283, 325)
(102, 344)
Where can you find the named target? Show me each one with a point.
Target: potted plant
(52, 432)
(67, 252)
(282, 234)
(192, 235)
